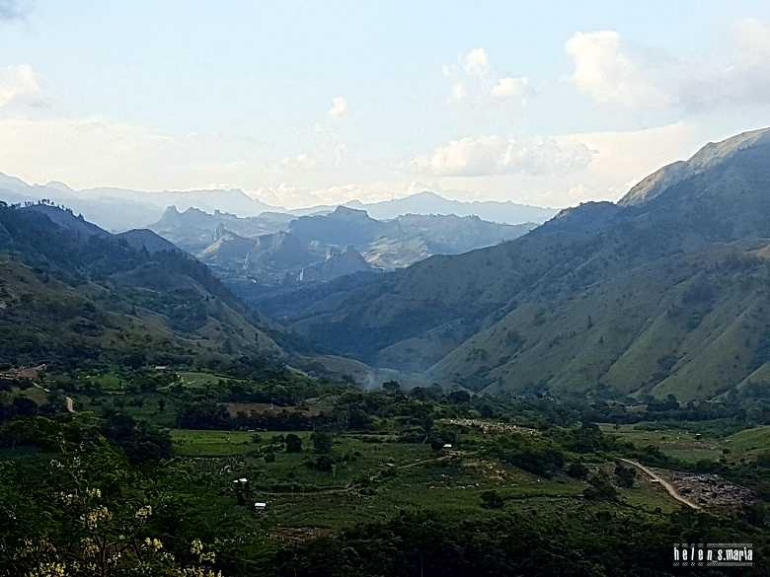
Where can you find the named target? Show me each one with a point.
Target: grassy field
(198, 380)
(682, 445)
(749, 441)
(376, 480)
(145, 406)
(690, 447)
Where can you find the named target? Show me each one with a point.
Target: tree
(323, 463)
(459, 397)
(600, 488)
(391, 387)
(625, 476)
(436, 444)
(577, 470)
(492, 500)
(24, 406)
(322, 442)
(293, 443)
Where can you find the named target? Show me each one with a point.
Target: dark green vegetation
(166, 468)
(667, 292)
(72, 293)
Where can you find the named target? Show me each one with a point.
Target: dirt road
(69, 404)
(670, 489)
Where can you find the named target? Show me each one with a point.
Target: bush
(322, 442)
(293, 443)
(492, 500)
(600, 488)
(625, 476)
(577, 470)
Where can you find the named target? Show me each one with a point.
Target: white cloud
(19, 84)
(339, 107)
(474, 80)
(510, 87)
(301, 161)
(488, 155)
(476, 62)
(612, 71)
(607, 71)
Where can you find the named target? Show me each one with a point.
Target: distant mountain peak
(427, 195)
(58, 185)
(348, 212)
(709, 156)
(148, 240)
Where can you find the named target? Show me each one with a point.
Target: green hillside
(71, 292)
(666, 292)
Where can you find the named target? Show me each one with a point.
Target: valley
(663, 293)
(243, 400)
(384, 289)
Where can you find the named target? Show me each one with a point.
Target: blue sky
(304, 102)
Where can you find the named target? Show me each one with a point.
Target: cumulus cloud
(476, 62)
(612, 71)
(607, 71)
(339, 107)
(19, 84)
(510, 87)
(474, 79)
(489, 155)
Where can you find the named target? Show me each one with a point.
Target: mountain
(145, 239)
(233, 201)
(344, 226)
(666, 292)
(431, 203)
(194, 230)
(222, 240)
(336, 264)
(70, 291)
(117, 209)
(267, 259)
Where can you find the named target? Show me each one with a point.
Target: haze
(300, 104)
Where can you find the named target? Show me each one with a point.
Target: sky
(301, 103)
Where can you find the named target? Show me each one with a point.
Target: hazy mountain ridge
(319, 248)
(118, 209)
(430, 203)
(669, 291)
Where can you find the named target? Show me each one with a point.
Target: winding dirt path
(69, 404)
(670, 489)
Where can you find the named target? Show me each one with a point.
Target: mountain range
(117, 209)
(427, 202)
(274, 248)
(665, 292)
